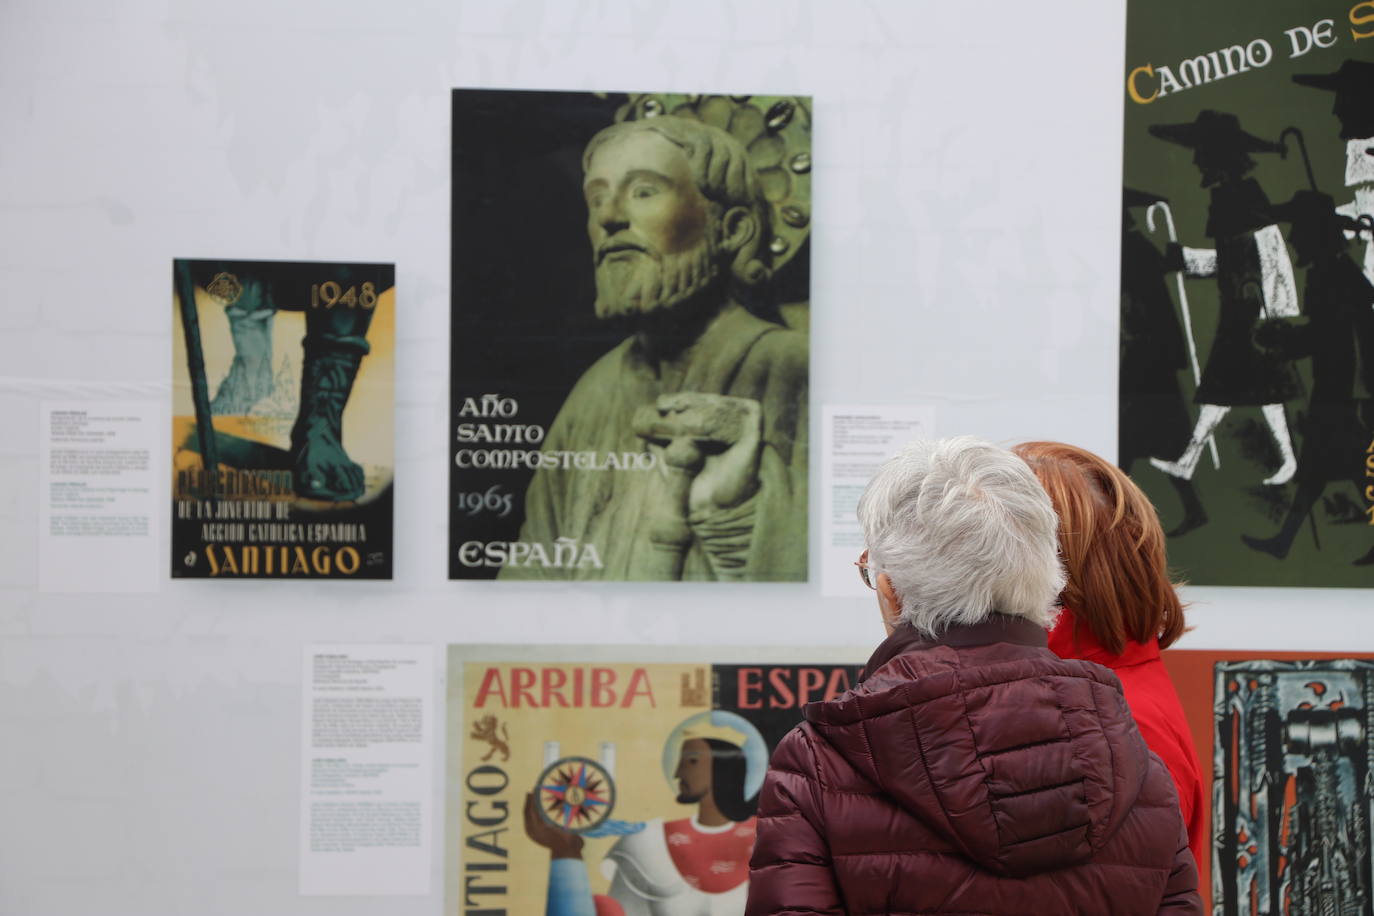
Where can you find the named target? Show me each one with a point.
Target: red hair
(1112, 546)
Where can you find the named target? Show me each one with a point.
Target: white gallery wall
(964, 258)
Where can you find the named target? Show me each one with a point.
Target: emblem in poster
(1291, 791)
(614, 787)
(1247, 287)
(630, 358)
(283, 394)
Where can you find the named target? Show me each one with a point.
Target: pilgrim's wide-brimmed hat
(1214, 131)
(1353, 84)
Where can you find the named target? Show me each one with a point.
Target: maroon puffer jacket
(977, 775)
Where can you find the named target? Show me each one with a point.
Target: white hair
(963, 529)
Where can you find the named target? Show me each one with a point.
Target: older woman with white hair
(970, 770)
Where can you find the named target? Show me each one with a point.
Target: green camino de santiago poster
(1247, 286)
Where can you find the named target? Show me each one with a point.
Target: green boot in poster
(335, 344)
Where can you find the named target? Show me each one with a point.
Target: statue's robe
(763, 539)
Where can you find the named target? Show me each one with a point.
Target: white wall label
(96, 531)
(367, 736)
(856, 440)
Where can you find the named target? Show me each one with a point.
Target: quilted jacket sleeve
(1180, 892)
(790, 873)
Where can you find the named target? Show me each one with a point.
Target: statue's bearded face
(652, 230)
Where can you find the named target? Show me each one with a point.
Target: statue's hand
(713, 438)
(563, 844)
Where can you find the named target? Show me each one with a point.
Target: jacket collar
(1071, 638)
(996, 628)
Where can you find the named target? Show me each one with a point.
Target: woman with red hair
(1120, 607)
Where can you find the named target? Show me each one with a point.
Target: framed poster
(630, 370)
(282, 420)
(1291, 798)
(597, 777)
(1286, 741)
(1247, 286)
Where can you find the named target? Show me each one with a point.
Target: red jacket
(976, 775)
(1156, 710)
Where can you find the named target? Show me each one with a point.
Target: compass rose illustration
(576, 793)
